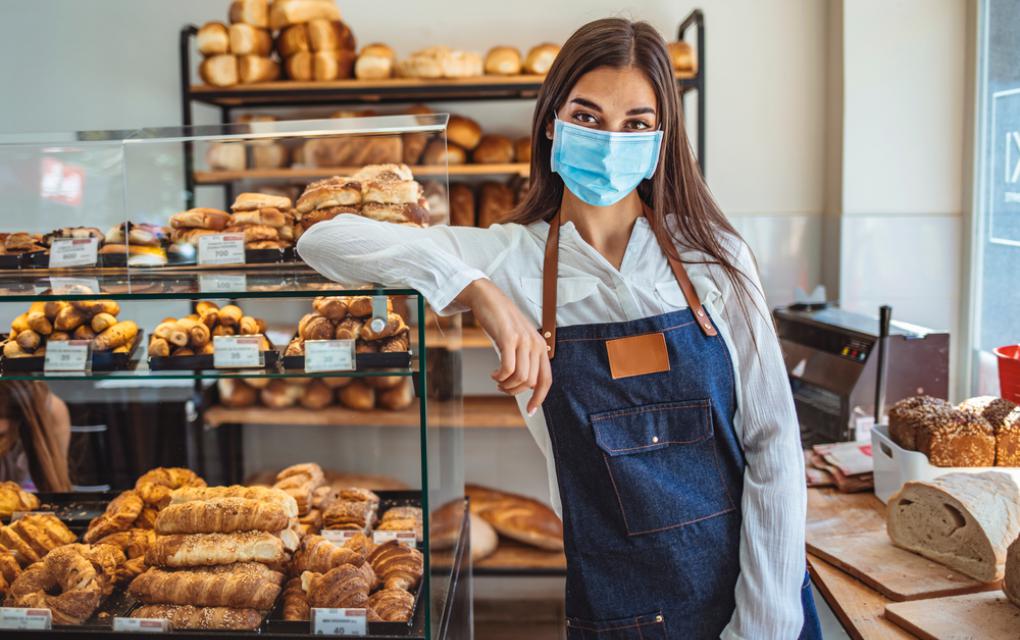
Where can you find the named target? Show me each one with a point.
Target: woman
(666, 419)
(35, 433)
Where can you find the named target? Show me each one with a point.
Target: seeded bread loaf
(956, 438)
(908, 416)
(1004, 416)
(965, 521)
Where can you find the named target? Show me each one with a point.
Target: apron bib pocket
(662, 463)
(651, 626)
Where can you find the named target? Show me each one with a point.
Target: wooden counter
(859, 608)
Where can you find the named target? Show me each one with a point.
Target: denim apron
(650, 475)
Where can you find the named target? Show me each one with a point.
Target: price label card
(222, 283)
(19, 618)
(340, 536)
(141, 625)
(237, 352)
(329, 355)
(221, 248)
(405, 538)
(67, 355)
(339, 622)
(74, 252)
(74, 286)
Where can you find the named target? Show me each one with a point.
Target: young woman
(666, 416)
(35, 433)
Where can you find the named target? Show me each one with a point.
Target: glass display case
(202, 434)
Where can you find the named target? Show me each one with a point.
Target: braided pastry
(295, 602)
(155, 486)
(221, 515)
(396, 565)
(320, 555)
(107, 560)
(134, 543)
(189, 617)
(203, 549)
(392, 605)
(120, 515)
(343, 586)
(245, 585)
(262, 494)
(14, 498)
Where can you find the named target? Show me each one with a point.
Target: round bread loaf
(681, 54)
(503, 61)
(540, 58)
(493, 149)
(463, 132)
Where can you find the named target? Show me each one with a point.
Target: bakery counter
(860, 609)
(314, 173)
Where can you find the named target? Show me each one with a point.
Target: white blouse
(440, 261)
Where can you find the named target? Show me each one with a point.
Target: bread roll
(278, 394)
(234, 393)
(316, 395)
(292, 40)
(330, 35)
(681, 54)
(226, 156)
(220, 70)
(493, 149)
(395, 398)
(375, 62)
(437, 152)
(349, 151)
(358, 396)
(503, 61)
(252, 69)
(462, 205)
(272, 155)
(522, 150)
(213, 39)
(345, 62)
(248, 40)
(299, 65)
(325, 66)
(253, 12)
(965, 521)
(463, 132)
(540, 58)
(284, 13)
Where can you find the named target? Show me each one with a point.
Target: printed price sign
(141, 625)
(222, 283)
(329, 355)
(221, 248)
(67, 355)
(74, 286)
(340, 536)
(237, 352)
(74, 252)
(405, 538)
(19, 618)
(339, 622)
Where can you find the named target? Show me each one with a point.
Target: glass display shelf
(142, 372)
(251, 281)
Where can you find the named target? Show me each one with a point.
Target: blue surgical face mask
(601, 167)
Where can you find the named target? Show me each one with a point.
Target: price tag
(340, 536)
(339, 622)
(222, 283)
(74, 286)
(329, 355)
(221, 248)
(74, 252)
(237, 352)
(18, 515)
(405, 538)
(67, 355)
(141, 625)
(19, 618)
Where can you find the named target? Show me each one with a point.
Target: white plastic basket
(895, 466)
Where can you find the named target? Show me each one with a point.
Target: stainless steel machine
(839, 374)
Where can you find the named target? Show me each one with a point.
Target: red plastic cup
(1009, 372)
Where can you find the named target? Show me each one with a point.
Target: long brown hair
(26, 405)
(677, 186)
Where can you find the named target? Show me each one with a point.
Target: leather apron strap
(550, 271)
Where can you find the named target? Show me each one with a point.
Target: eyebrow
(636, 111)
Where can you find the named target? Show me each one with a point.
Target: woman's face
(611, 99)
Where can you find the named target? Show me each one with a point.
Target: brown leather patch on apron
(637, 355)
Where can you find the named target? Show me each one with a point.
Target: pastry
(493, 149)
(965, 521)
(14, 498)
(375, 62)
(1004, 417)
(219, 70)
(120, 515)
(394, 324)
(396, 565)
(357, 396)
(245, 585)
(284, 13)
(200, 218)
(406, 213)
(262, 494)
(154, 487)
(540, 59)
(320, 555)
(221, 515)
(295, 602)
(67, 583)
(189, 617)
(204, 549)
(392, 605)
(212, 39)
(343, 586)
(331, 192)
(226, 156)
(255, 201)
(439, 152)
(349, 514)
(253, 12)
(518, 517)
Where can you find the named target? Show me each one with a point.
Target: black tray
(362, 361)
(101, 360)
(251, 256)
(205, 361)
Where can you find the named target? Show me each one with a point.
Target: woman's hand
(524, 359)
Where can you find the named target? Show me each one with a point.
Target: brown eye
(638, 125)
(585, 118)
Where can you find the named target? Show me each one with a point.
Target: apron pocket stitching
(619, 498)
(671, 406)
(680, 524)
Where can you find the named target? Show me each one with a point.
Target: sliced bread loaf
(1011, 585)
(962, 520)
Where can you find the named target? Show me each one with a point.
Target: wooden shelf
(310, 173)
(291, 92)
(513, 558)
(480, 412)
(469, 338)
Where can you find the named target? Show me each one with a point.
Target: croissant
(396, 565)
(189, 617)
(221, 515)
(360, 494)
(332, 307)
(392, 605)
(348, 329)
(300, 474)
(295, 602)
(245, 585)
(349, 514)
(133, 542)
(33, 536)
(396, 343)
(147, 518)
(203, 549)
(262, 494)
(343, 586)
(120, 514)
(394, 325)
(66, 583)
(361, 306)
(14, 498)
(320, 555)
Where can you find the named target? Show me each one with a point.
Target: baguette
(119, 334)
(68, 318)
(222, 515)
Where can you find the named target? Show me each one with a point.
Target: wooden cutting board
(977, 616)
(895, 573)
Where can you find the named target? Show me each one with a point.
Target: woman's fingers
(507, 361)
(520, 375)
(542, 384)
